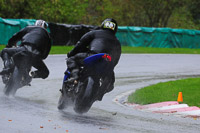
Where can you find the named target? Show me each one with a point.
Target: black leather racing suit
(34, 40)
(96, 41)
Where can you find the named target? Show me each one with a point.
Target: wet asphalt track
(34, 110)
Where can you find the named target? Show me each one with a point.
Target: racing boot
(107, 86)
(72, 81)
(74, 77)
(33, 74)
(8, 66)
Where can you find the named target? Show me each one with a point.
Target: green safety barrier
(8, 27)
(158, 37)
(127, 35)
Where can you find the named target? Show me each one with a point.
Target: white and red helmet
(41, 23)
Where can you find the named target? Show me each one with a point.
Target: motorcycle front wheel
(65, 98)
(85, 99)
(62, 102)
(13, 84)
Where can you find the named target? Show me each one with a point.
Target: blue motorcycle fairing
(92, 59)
(89, 61)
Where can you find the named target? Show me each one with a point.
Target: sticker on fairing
(110, 25)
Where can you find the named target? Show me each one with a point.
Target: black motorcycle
(19, 75)
(91, 84)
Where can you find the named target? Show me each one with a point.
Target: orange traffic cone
(180, 97)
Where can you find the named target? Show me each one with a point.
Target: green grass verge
(60, 49)
(135, 50)
(54, 49)
(1, 47)
(168, 91)
(128, 49)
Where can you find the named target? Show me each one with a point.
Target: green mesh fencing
(158, 37)
(127, 35)
(8, 27)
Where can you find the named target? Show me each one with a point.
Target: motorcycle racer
(93, 42)
(35, 40)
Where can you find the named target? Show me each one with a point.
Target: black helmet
(41, 23)
(109, 23)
